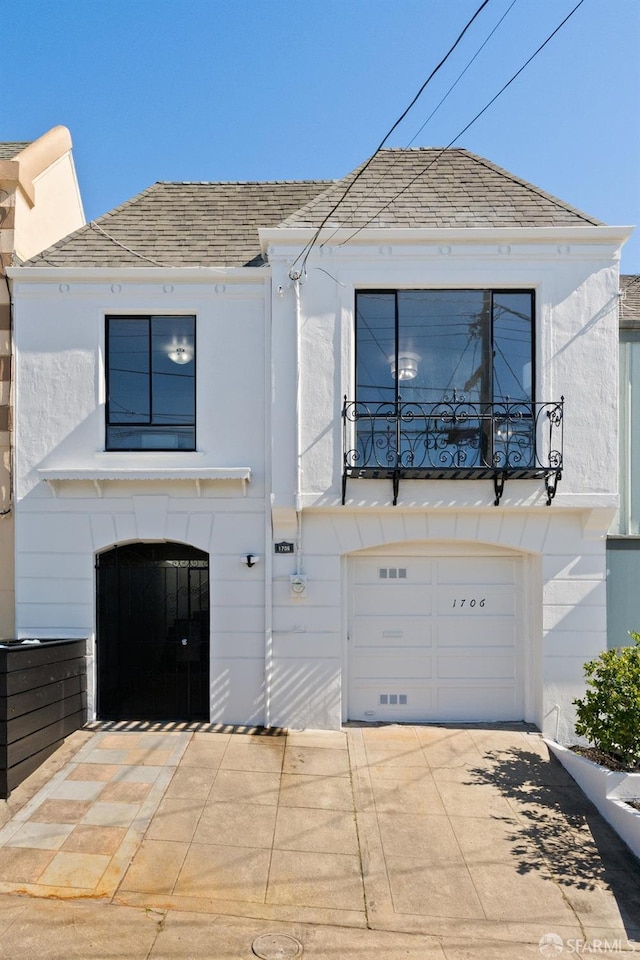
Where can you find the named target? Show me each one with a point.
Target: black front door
(153, 633)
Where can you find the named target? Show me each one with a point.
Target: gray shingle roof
(9, 150)
(184, 224)
(434, 187)
(630, 301)
(216, 224)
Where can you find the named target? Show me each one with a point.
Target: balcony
(454, 439)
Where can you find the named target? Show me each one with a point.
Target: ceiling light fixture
(407, 365)
(180, 353)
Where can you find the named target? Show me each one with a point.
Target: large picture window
(427, 345)
(150, 383)
(444, 379)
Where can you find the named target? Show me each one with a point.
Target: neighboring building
(412, 429)
(39, 204)
(623, 544)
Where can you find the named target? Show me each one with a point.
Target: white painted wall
(260, 360)
(61, 525)
(563, 546)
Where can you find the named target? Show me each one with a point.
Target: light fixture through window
(180, 353)
(407, 365)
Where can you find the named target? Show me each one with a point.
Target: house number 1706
(469, 603)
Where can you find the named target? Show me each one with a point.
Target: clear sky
(301, 89)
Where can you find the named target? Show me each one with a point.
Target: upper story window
(150, 383)
(445, 389)
(433, 346)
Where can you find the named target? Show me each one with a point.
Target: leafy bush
(609, 713)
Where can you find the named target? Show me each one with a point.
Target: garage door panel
(488, 634)
(418, 652)
(476, 668)
(366, 704)
(476, 601)
(465, 570)
(391, 631)
(404, 664)
(387, 599)
(477, 703)
(393, 570)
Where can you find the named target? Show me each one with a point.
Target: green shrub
(609, 713)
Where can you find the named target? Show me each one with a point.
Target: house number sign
(285, 546)
(465, 602)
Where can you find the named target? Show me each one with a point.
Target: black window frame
(152, 428)
(493, 291)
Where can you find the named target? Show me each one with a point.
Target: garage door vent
(392, 573)
(394, 699)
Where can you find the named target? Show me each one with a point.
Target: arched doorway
(153, 633)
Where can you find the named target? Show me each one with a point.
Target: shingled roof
(216, 224)
(10, 150)
(435, 187)
(630, 301)
(184, 225)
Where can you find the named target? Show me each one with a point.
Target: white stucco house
(287, 477)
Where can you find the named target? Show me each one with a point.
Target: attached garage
(435, 638)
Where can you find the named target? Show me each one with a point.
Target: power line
(306, 250)
(464, 130)
(432, 114)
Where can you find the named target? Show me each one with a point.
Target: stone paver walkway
(440, 832)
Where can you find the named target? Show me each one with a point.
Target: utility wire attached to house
(306, 250)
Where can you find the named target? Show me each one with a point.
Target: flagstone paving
(470, 834)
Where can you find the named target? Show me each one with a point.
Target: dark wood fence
(43, 698)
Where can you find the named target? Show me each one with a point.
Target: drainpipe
(268, 525)
(296, 277)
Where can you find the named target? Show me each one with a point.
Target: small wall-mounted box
(298, 586)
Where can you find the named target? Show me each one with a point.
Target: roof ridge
(239, 183)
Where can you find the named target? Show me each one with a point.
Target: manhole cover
(276, 946)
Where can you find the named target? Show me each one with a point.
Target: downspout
(268, 521)
(8, 509)
(296, 277)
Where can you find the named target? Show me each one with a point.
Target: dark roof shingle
(629, 301)
(10, 150)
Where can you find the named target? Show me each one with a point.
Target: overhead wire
(464, 129)
(306, 250)
(432, 114)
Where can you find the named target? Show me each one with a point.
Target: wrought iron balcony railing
(454, 439)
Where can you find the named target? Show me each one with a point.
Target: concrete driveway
(460, 841)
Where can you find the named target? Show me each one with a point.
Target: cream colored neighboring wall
(39, 204)
(57, 210)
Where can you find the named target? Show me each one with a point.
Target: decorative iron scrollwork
(453, 439)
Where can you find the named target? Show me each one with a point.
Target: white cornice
(288, 236)
(139, 274)
(145, 473)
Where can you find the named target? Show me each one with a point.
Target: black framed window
(444, 378)
(150, 383)
(428, 346)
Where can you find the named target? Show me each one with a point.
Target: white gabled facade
(368, 606)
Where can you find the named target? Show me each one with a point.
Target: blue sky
(299, 89)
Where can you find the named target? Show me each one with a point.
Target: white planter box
(607, 789)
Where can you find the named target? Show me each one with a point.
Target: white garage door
(435, 638)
